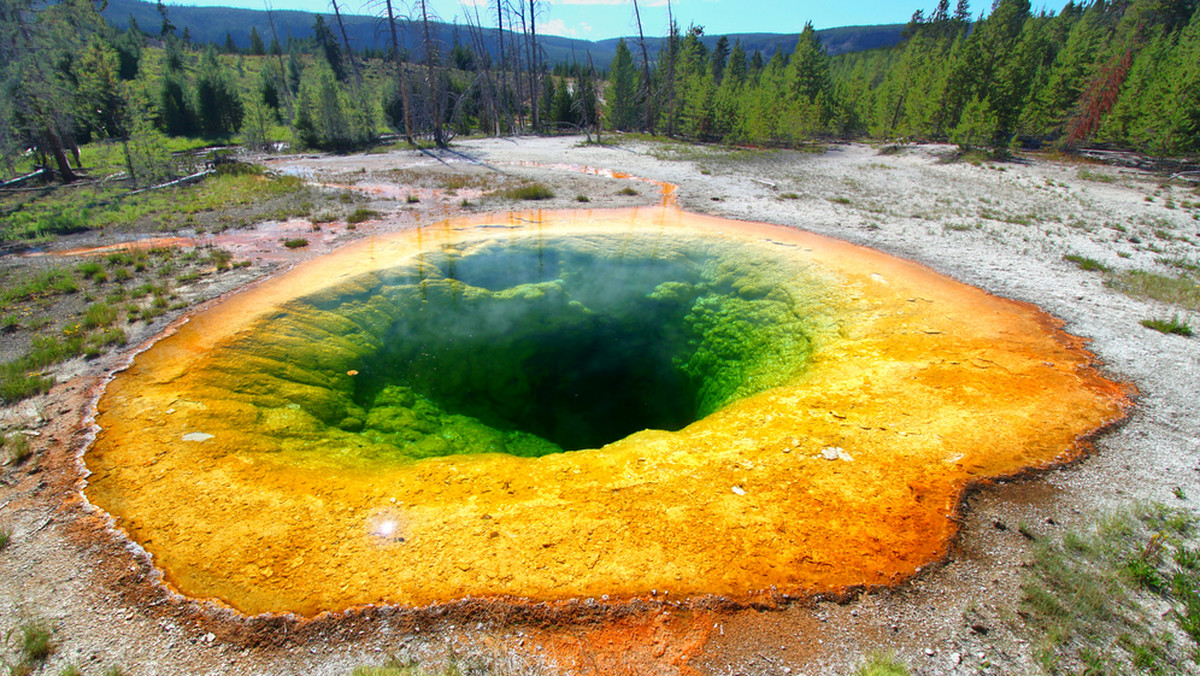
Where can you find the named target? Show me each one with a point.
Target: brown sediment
(849, 476)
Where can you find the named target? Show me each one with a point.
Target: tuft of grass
(582, 198)
(530, 192)
(627, 190)
(35, 642)
(360, 214)
(789, 196)
(5, 537)
(220, 259)
(1173, 325)
(1089, 175)
(1085, 263)
(882, 664)
(70, 670)
(98, 315)
(411, 198)
(295, 243)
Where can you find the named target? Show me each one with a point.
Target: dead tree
(644, 90)
(401, 79)
(346, 41)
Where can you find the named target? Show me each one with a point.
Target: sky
(600, 19)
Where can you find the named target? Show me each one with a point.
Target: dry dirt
(1001, 227)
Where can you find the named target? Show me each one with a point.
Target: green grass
(99, 315)
(361, 214)
(1089, 600)
(43, 284)
(582, 198)
(882, 664)
(5, 537)
(1182, 290)
(35, 641)
(1087, 264)
(1173, 325)
(46, 216)
(627, 190)
(532, 191)
(295, 243)
(1089, 175)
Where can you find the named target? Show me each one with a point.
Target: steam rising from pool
(749, 407)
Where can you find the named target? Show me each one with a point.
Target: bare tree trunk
(672, 54)
(534, 92)
(483, 74)
(503, 65)
(66, 175)
(346, 41)
(596, 98)
(434, 83)
(287, 92)
(401, 80)
(645, 88)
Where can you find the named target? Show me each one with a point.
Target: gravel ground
(1001, 227)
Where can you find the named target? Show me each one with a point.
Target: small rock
(955, 658)
(930, 652)
(739, 490)
(209, 637)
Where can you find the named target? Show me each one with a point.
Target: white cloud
(559, 27)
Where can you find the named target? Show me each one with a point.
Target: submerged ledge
(834, 462)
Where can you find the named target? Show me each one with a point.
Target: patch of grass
(627, 190)
(92, 270)
(220, 259)
(35, 641)
(1182, 291)
(1088, 600)
(327, 217)
(411, 198)
(882, 664)
(840, 200)
(70, 670)
(360, 214)
(1173, 325)
(295, 243)
(1085, 263)
(53, 282)
(98, 315)
(5, 537)
(582, 198)
(1089, 175)
(789, 196)
(529, 192)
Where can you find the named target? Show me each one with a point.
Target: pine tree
(257, 47)
(720, 56)
(621, 94)
(329, 48)
(218, 104)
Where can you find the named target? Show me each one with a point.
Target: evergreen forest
(1123, 73)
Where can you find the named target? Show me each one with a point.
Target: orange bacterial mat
(847, 399)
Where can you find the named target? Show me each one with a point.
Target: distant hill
(211, 24)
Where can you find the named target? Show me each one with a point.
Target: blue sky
(599, 19)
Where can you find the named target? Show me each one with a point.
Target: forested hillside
(1122, 73)
(1125, 73)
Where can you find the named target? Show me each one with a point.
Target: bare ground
(1001, 227)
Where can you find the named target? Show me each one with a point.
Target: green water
(528, 346)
